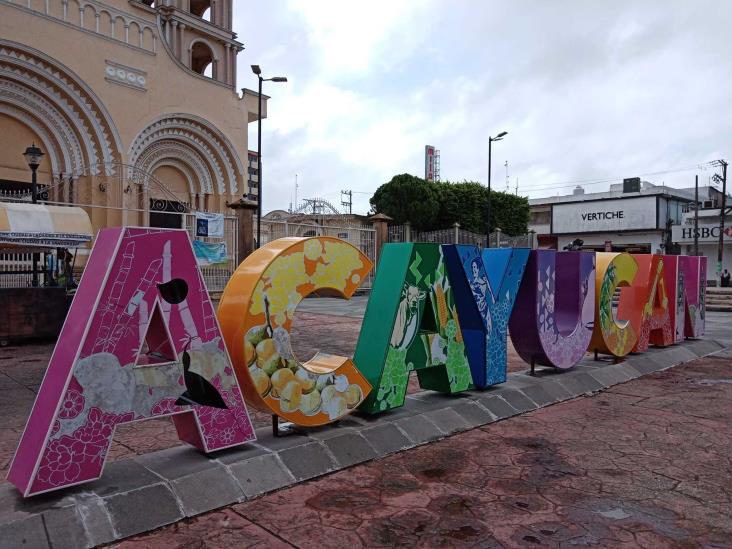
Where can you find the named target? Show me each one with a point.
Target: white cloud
(586, 90)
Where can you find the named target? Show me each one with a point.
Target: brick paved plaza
(643, 464)
(634, 463)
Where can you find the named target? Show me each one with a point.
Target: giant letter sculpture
(140, 341)
(646, 304)
(411, 324)
(256, 312)
(486, 285)
(612, 336)
(685, 278)
(554, 312)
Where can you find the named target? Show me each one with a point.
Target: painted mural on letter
(425, 335)
(150, 347)
(274, 279)
(487, 282)
(557, 297)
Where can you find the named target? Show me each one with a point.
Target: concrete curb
(152, 490)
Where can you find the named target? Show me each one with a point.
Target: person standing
(725, 279)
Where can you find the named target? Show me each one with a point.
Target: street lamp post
(256, 70)
(499, 137)
(33, 156)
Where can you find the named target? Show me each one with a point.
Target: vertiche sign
(604, 215)
(141, 339)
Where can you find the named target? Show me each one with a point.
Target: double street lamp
(499, 137)
(33, 156)
(256, 70)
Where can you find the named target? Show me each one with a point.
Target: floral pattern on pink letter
(141, 340)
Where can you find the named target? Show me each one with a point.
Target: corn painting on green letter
(410, 324)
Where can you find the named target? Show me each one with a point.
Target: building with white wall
(651, 219)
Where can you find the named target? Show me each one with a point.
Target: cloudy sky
(587, 90)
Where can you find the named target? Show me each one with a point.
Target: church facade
(134, 104)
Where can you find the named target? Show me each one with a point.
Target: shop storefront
(635, 225)
(654, 219)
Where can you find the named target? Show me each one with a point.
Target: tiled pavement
(142, 492)
(642, 464)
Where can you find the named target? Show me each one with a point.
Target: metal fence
(216, 276)
(456, 235)
(10, 265)
(361, 236)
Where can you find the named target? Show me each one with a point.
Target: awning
(36, 226)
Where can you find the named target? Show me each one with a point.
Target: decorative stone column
(244, 210)
(381, 226)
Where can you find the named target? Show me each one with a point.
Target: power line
(590, 182)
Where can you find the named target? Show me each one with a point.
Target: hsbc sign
(684, 234)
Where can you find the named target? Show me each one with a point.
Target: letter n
(141, 340)
(554, 313)
(645, 303)
(410, 324)
(486, 284)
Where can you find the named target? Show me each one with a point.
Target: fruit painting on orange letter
(256, 312)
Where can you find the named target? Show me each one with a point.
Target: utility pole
(348, 202)
(720, 249)
(508, 184)
(696, 216)
(296, 191)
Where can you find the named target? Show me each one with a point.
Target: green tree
(408, 198)
(439, 205)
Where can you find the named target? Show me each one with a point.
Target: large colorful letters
(646, 304)
(553, 317)
(611, 335)
(410, 324)
(685, 278)
(141, 340)
(256, 312)
(486, 283)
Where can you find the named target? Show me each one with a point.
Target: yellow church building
(134, 105)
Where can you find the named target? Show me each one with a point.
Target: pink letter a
(141, 340)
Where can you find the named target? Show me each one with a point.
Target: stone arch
(135, 34)
(118, 27)
(199, 7)
(174, 151)
(106, 26)
(51, 98)
(73, 12)
(90, 16)
(206, 149)
(148, 38)
(201, 54)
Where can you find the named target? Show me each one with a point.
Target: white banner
(209, 224)
(604, 215)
